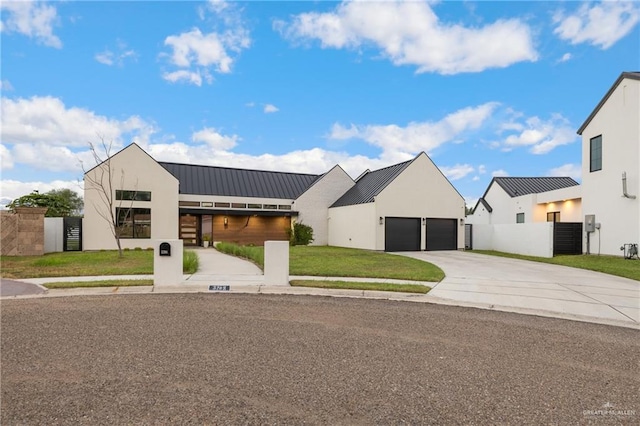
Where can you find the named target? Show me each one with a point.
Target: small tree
(72, 198)
(57, 205)
(101, 179)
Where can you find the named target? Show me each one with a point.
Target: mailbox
(165, 249)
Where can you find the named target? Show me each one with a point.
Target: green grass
(344, 262)
(87, 263)
(612, 265)
(346, 285)
(103, 283)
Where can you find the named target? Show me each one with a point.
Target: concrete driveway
(514, 285)
(10, 288)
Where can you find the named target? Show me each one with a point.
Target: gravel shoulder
(230, 358)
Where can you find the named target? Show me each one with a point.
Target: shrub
(302, 234)
(190, 262)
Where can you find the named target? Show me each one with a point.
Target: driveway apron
(512, 283)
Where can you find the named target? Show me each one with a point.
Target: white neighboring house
(611, 150)
(528, 215)
(510, 200)
(408, 206)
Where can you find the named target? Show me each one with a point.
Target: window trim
(134, 235)
(518, 216)
(132, 195)
(593, 140)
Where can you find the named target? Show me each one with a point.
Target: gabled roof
(630, 75)
(211, 180)
(517, 186)
(371, 184)
(484, 203)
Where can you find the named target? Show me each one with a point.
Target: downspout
(624, 187)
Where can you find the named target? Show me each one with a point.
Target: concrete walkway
(472, 280)
(508, 284)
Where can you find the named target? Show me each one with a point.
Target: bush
(302, 235)
(190, 262)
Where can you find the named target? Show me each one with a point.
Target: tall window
(133, 195)
(134, 223)
(595, 163)
(553, 217)
(519, 217)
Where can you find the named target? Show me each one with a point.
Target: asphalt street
(17, 288)
(263, 359)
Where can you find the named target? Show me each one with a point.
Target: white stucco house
(408, 206)
(611, 167)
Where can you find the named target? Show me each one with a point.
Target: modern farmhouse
(407, 206)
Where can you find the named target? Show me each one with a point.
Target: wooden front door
(189, 230)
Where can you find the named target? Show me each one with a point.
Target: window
(222, 205)
(255, 206)
(284, 207)
(238, 205)
(519, 217)
(189, 203)
(206, 204)
(595, 163)
(553, 217)
(134, 223)
(133, 195)
(271, 206)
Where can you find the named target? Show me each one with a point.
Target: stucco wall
(132, 169)
(353, 226)
(619, 124)
(421, 190)
(313, 204)
(532, 239)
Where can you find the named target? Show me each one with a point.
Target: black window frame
(126, 215)
(518, 216)
(595, 154)
(128, 195)
(555, 217)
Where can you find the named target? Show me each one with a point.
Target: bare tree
(101, 179)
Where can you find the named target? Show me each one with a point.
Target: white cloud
(195, 53)
(33, 19)
(601, 24)
(108, 57)
(565, 57)
(500, 172)
(268, 108)
(457, 172)
(410, 33)
(476, 178)
(542, 136)
(420, 136)
(250, 104)
(6, 159)
(572, 170)
(214, 139)
(47, 120)
(12, 189)
(6, 86)
(482, 169)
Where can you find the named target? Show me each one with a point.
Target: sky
(484, 88)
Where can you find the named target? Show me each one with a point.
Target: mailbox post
(167, 262)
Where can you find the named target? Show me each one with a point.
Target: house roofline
(629, 75)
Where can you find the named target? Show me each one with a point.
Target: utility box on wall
(590, 223)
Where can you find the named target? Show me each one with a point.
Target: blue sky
(484, 88)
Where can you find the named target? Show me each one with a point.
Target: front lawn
(102, 283)
(325, 261)
(87, 263)
(612, 265)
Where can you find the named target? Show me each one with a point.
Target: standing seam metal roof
(212, 180)
(370, 185)
(517, 186)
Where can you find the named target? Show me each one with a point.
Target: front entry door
(189, 230)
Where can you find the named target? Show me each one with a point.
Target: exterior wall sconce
(461, 221)
(226, 221)
(381, 220)
(424, 220)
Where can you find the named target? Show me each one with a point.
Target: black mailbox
(165, 249)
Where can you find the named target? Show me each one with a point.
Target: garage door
(401, 234)
(442, 234)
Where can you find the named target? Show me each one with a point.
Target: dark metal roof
(484, 203)
(370, 185)
(211, 180)
(630, 75)
(517, 186)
